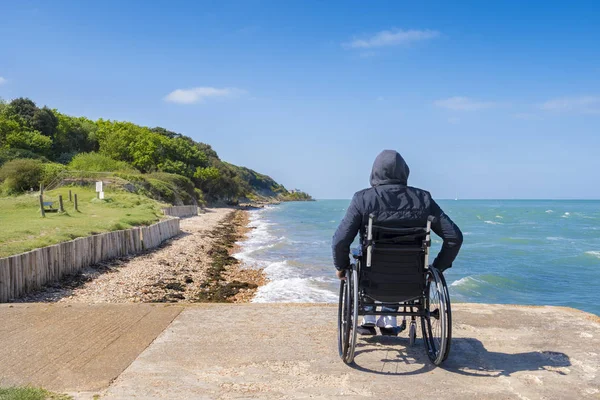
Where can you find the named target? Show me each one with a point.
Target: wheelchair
(391, 268)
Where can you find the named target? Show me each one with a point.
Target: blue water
(514, 251)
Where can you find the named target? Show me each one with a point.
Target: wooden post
(76, 207)
(41, 189)
(42, 206)
(70, 196)
(60, 204)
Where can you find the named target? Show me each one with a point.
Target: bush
(51, 171)
(95, 162)
(29, 140)
(162, 186)
(12, 154)
(21, 175)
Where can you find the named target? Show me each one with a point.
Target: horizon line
(495, 199)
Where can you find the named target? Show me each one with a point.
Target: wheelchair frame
(436, 319)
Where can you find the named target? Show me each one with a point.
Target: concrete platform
(289, 352)
(285, 351)
(75, 347)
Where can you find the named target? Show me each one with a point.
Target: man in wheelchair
(391, 203)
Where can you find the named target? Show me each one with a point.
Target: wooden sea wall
(26, 272)
(181, 211)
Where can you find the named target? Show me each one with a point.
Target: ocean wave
(566, 215)
(549, 211)
(293, 290)
(461, 281)
(493, 222)
(593, 253)
(499, 216)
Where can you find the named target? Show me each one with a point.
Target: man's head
(389, 168)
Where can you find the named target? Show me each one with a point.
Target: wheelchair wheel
(412, 333)
(348, 316)
(343, 317)
(437, 323)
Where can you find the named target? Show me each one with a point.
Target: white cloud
(200, 94)
(576, 104)
(458, 103)
(2, 80)
(392, 37)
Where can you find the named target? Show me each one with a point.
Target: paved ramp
(289, 351)
(75, 347)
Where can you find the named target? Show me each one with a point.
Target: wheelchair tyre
(412, 333)
(343, 314)
(348, 316)
(437, 322)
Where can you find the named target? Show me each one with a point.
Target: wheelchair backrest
(394, 270)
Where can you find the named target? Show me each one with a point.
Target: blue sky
(484, 100)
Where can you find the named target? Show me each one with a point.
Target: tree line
(57, 142)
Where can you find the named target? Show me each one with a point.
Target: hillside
(42, 145)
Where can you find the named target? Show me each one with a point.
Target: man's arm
(344, 236)
(450, 233)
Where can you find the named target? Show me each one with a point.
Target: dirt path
(179, 271)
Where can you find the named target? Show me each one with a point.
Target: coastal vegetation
(42, 145)
(30, 393)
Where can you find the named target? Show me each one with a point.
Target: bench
(49, 207)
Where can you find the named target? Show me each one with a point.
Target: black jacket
(394, 204)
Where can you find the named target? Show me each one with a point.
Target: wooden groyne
(181, 211)
(26, 272)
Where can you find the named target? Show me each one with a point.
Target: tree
(23, 110)
(73, 135)
(29, 140)
(44, 121)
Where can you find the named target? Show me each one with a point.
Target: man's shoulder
(419, 191)
(362, 192)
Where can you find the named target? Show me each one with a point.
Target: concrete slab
(283, 351)
(75, 347)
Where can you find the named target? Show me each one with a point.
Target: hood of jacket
(389, 168)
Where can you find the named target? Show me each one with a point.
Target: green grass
(22, 228)
(30, 393)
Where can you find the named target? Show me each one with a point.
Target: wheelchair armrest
(356, 253)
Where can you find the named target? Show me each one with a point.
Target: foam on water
(293, 290)
(593, 253)
(287, 280)
(462, 281)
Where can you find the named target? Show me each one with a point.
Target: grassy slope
(30, 393)
(22, 228)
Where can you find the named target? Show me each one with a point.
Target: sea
(533, 252)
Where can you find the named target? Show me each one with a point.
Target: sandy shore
(193, 267)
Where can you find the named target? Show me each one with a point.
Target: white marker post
(99, 189)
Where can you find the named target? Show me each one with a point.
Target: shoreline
(195, 266)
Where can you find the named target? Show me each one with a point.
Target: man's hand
(340, 274)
